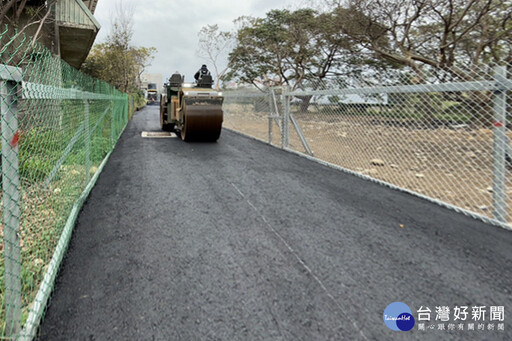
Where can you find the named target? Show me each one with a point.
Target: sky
(172, 26)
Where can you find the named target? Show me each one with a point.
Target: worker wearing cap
(203, 71)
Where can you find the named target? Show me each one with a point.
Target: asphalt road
(237, 240)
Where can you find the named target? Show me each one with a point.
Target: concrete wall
(152, 78)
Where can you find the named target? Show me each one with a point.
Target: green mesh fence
(58, 127)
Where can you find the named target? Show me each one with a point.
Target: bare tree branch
(42, 21)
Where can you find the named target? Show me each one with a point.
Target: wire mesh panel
(443, 135)
(58, 125)
(250, 111)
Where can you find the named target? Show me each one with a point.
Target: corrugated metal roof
(76, 14)
(91, 5)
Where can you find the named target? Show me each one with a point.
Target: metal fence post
(87, 142)
(270, 116)
(11, 205)
(500, 146)
(285, 128)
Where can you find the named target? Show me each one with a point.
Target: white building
(151, 78)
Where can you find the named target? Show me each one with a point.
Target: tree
(446, 39)
(288, 48)
(24, 14)
(299, 49)
(214, 46)
(441, 34)
(118, 67)
(116, 61)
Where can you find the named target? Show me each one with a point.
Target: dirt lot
(449, 164)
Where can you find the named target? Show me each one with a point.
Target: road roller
(192, 111)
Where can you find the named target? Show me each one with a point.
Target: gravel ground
(237, 240)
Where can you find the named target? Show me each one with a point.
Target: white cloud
(172, 26)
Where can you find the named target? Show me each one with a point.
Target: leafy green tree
(441, 34)
(447, 39)
(116, 61)
(118, 66)
(288, 48)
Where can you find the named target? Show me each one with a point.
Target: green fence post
(116, 120)
(126, 109)
(112, 123)
(11, 202)
(87, 142)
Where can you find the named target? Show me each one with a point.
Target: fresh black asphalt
(237, 240)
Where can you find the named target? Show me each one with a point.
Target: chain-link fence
(442, 136)
(58, 127)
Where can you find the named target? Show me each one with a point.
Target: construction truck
(192, 111)
(152, 94)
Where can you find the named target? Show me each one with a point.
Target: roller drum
(202, 119)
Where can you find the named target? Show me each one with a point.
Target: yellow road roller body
(193, 111)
